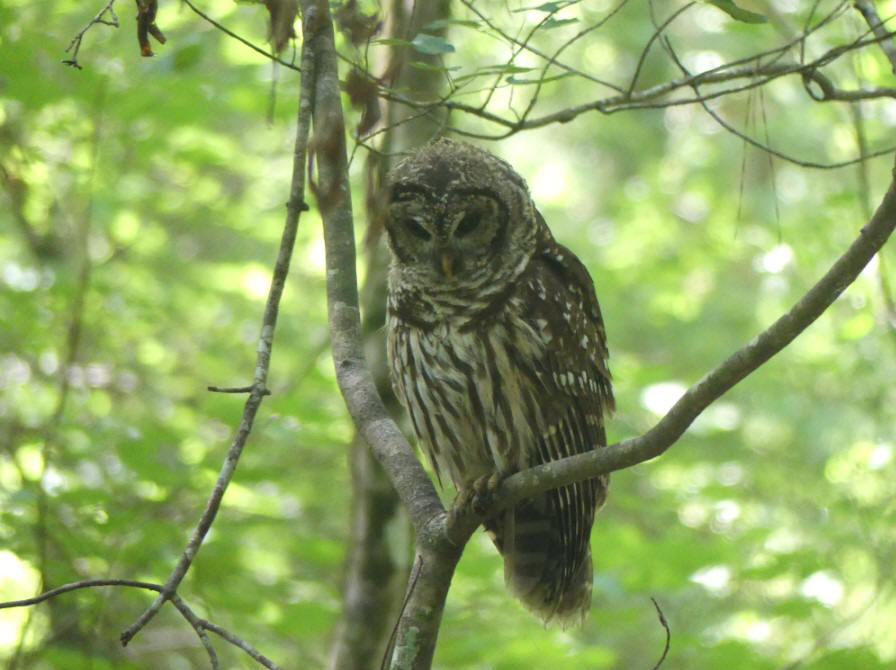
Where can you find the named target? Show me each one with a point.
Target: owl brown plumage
(497, 349)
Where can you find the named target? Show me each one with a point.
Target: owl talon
(479, 495)
(462, 505)
(481, 499)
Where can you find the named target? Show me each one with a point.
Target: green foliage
(431, 45)
(766, 534)
(738, 13)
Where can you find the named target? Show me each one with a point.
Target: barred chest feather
(474, 390)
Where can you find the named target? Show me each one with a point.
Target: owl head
(459, 217)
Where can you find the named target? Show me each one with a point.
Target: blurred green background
(141, 207)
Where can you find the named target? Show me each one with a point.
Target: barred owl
(497, 349)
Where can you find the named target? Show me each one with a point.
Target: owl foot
(478, 496)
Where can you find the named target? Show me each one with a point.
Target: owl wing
(567, 302)
(575, 380)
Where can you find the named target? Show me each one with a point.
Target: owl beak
(447, 264)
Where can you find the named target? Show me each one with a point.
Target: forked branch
(200, 626)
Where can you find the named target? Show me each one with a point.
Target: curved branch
(258, 390)
(199, 625)
(709, 389)
(830, 92)
(74, 586)
(437, 555)
(331, 189)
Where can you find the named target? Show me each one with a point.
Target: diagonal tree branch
(294, 207)
(866, 9)
(437, 556)
(376, 569)
(723, 377)
(334, 202)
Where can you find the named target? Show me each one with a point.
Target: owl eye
(416, 229)
(467, 224)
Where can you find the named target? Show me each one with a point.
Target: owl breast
(474, 389)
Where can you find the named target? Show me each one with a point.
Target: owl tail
(550, 574)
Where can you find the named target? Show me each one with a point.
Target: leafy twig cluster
(754, 71)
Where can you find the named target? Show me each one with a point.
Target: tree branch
(436, 555)
(711, 387)
(239, 38)
(866, 8)
(199, 625)
(334, 201)
(376, 574)
(75, 45)
(294, 207)
(809, 72)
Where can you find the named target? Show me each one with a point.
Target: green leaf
(518, 80)
(429, 67)
(553, 23)
(445, 23)
(501, 69)
(549, 7)
(431, 44)
(489, 70)
(392, 42)
(738, 13)
(187, 57)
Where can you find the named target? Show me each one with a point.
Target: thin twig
(702, 99)
(239, 38)
(469, 4)
(74, 586)
(236, 389)
(294, 207)
(553, 59)
(656, 34)
(242, 644)
(652, 98)
(199, 625)
(75, 45)
(665, 625)
(92, 583)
